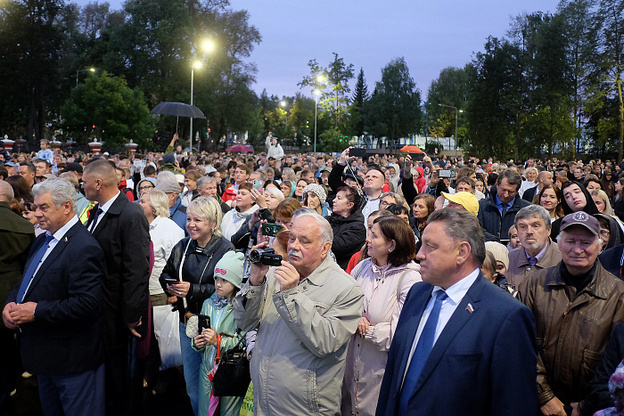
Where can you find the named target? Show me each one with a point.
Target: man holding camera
(305, 311)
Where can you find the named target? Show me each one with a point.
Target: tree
(359, 99)
(333, 84)
(496, 104)
(105, 108)
(451, 88)
(31, 36)
(394, 108)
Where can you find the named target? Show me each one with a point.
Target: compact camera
(270, 229)
(265, 256)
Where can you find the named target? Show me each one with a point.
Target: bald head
(6, 192)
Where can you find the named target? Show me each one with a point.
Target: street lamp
(196, 65)
(207, 45)
(83, 70)
(456, 113)
(316, 93)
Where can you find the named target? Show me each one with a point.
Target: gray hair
(159, 201)
(61, 190)
(204, 180)
(275, 192)
(325, 229)
(6, 191)
(461, 225)
(533, 211)
(207, 207)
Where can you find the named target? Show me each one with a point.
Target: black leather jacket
(198, 269)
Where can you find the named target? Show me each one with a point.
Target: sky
(430, 34)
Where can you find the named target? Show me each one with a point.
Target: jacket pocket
(590, 362)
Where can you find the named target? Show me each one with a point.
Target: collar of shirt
(57, 236)
(106, 206)
(539, 255)
(499, 203)
(61, 231)
(457, 291)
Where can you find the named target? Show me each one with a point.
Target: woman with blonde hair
(189, 276)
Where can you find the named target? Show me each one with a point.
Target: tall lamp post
(456, 114)
(207, 45)
(316, 97)
(83, 70)
(196, 65)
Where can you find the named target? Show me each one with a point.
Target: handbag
(232, 377)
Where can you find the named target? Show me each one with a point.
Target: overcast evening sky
(430, 34)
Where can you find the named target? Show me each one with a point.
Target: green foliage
(394, 108)
(331, 140)
(432, 145)
(333, 84)
(105, 108)
(359, 99)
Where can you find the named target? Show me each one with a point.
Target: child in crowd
(223, 330)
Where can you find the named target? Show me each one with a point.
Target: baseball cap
(583, 219)
(465, 199)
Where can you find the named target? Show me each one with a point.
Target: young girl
(228, 277)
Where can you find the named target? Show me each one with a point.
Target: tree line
(550, 86)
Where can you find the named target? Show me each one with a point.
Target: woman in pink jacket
(385, 277)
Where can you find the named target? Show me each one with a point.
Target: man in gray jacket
(305, 311)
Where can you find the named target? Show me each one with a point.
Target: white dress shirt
(455, 294)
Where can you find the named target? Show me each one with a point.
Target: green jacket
(16, 237)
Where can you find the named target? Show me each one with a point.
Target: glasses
(145, 188)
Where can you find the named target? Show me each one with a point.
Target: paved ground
(172, 401)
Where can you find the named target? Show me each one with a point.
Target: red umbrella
(411, 149)
(242, 148)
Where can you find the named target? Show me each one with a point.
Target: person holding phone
(191, 265)
(222, 332)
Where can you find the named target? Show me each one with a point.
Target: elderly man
(168, 184)
(57, 307)
(544, 178)
(537, 251)
(122, 230)
(207, 186)
(576, 305)
(305, 311)
(497, 213)
(456, 333)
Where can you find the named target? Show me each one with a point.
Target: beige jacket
(519, 268)
(298, 361)
(385, 290)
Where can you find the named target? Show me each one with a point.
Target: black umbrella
(178, 110)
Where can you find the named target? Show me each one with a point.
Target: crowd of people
(381, 284)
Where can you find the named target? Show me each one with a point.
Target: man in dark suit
(462, 345)
(56, 308)
(121, 229)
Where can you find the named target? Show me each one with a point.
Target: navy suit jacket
(483, 363)
(66, 336)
